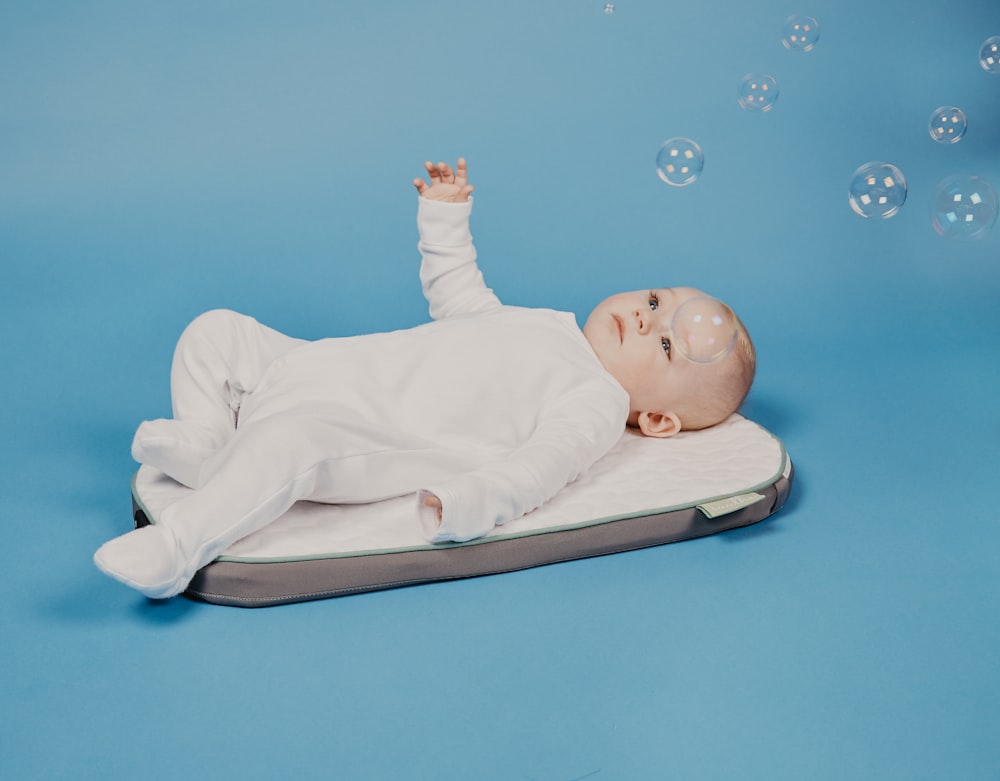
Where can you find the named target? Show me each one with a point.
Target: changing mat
(644, 492)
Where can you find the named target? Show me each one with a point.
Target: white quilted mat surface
(639, 476)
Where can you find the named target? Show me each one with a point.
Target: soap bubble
(679, 161)
(703, 330)
(758, 92)
(947, 124)
(989, 54)
(609, 8)
(964, 207)
(877, 190)
(800, 33)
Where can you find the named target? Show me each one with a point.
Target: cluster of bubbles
(759, 91)
(680, 160)
(962, 206)
(704, 329)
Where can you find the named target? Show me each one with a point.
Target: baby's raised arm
(449, 276)
(446, 184)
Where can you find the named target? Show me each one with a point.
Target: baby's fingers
(434, 502)
(462, 175)
(433, 172)
(447, 175)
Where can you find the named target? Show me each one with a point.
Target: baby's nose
(641, 321)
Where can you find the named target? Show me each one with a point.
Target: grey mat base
(264, 583)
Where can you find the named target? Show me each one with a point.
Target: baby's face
(630, 332)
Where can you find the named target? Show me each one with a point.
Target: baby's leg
(266, 467)
(219, 358)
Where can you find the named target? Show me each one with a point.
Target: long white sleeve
(567, 432)
(451, 280)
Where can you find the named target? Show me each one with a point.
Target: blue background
(162, 158)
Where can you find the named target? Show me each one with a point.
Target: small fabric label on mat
(730, 504)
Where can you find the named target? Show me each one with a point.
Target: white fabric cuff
(444, 224)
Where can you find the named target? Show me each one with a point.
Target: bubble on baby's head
(703, 330)
(757, 92)
(877, 190)
(679, 161)
(989, 54)
(964, 207)
(800, 33)
(947, 124)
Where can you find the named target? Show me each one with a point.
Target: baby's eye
(654, 301)
(665, 342)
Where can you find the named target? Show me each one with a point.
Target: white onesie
(492, 408)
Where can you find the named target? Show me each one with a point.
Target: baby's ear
(658, 424)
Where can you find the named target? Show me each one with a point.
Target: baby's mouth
(621, 328)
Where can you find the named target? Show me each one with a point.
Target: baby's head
(630, 332)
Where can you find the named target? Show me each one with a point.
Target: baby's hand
(446, 184)
(432, 501)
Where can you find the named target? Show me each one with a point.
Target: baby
(484, 413)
